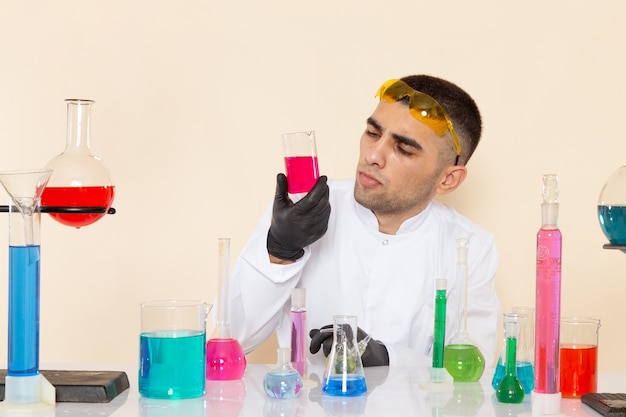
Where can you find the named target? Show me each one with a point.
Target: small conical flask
(284, 381)
(510, 389)
(612, 208)
(344, 371)
(462, 358)
(79, 178)
(523, 358)
(225, 358)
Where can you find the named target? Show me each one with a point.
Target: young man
(373, 246)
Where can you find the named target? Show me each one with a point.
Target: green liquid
(465, 363)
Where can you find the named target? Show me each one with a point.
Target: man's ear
(452, 177)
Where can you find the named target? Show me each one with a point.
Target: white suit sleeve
(259, 290)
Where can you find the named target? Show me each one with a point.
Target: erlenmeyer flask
(523, 358)
(79, 177)
(224, 355)
(462, 358)
(344, 372)
(612, 208)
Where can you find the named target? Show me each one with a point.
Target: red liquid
(78, 197)
(578, 370)
(302, 173)
(225, 359)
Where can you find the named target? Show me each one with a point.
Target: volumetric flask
(344, 372)
(524, 359)
(461, 357)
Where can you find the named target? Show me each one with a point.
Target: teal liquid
(464, 362)
(349, 386)
(525, 374)
(172, 364)
(613, 222)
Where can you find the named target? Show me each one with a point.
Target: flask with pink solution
(225, 359)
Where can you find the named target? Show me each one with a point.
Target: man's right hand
(295, 226)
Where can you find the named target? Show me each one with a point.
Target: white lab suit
(387, 281)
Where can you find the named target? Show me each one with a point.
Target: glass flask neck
(78, 125)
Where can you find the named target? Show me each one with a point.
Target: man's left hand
(375, 353)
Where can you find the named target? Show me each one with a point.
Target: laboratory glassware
(298, 330)
(26, 390)
(546, 393)
(510, 390)
(462, 358)
(344, 374)
(301, 164)
(439, 338)
(523, 358)
(80, 178)
(579, 355)
(172, 343)
(284, 381)
(224, 355)
(612, 209)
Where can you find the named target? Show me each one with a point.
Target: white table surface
(391, 392)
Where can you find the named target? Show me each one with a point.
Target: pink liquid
(302, 173)
(78, 197)
(548, 311)
(225, 359)
(298, 341)
(578, 370)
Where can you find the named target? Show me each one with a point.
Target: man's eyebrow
(399, 138)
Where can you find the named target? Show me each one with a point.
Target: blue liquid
(282, 385)
(613, 222)
(23, 336)
(524, 371)
(172, 364)
(353, 386)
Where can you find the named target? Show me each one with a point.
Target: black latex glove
(295, 226)
(375, 353)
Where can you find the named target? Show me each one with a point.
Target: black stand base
(82, 386)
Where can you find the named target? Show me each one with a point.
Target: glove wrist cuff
(276, 249)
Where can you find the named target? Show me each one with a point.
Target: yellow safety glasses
(422, 107)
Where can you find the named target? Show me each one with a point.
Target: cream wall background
(191, 99)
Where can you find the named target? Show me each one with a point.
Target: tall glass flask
(24, 385)
(344, 374)
(298, 330)
(462, 358)
(225, 357)
(548, 300)
(80, 178)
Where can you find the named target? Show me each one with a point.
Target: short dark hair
(460, 107)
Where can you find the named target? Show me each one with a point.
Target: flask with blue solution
(524, 357)
(344, 374)
(284, 381)
(612, 209)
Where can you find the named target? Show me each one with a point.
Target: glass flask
(462, 358)
(510, 389)
(344, 371)
(523, 359)
(612, 209)
(79, 177)
(224, 355)
(284, 381)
